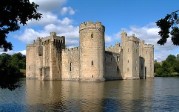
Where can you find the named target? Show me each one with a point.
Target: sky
(132, 16)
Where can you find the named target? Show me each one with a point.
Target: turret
(130, 46)
(91, 51)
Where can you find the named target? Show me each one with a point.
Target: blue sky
(64, 16)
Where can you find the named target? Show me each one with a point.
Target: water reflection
(159, 94)
(94, 96)
(76, 96)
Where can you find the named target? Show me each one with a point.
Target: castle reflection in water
(126, 95)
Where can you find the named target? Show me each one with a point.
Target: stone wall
(112, 66)
(115, 49)
(149, 60)
(70, 64)
(30, 62)
(92, 51)
(130, 46)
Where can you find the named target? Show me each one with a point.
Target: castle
(48, 58)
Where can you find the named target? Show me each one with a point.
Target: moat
(158, 94)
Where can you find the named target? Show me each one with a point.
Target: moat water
(152, 95)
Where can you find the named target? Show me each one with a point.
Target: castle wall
(115, 49)
(70, 64)
(30, 62)
(149, 60)
(142, 60)
(130, 46)
(45, 70)
(56, 45)
(113, 66)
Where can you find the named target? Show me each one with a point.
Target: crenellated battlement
(148, 45)
(133, 38)
(92, 25)
(68, 50)
(115, 49)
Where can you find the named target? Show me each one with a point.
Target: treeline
(12, 67)
(168, 67)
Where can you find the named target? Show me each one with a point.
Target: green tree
(167, 69)
(169, 26)
(10, 70)
(12, 14)
(156, 66)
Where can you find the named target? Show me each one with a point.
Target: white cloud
(11, 52)
(67, 10)
(45, 5)
(149, 34)
(30, 34)
(51, 22)
(62, 28)
(49, 18)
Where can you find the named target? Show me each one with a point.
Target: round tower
(92, 50)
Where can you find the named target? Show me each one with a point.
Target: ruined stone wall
(70, 64)
(92, 51)
(113, 66)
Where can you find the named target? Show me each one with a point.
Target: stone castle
(48, 58)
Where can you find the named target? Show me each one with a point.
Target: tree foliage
(12, 14)
(169, 67)
(10, 66)
(169, 26)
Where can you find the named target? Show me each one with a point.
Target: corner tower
(92, 51)
(130, 46)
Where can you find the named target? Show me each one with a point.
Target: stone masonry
(47, 58)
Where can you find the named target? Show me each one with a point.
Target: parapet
(133, 38)
(148, 45)
(92, 25)
(70, 49)
(53, 34)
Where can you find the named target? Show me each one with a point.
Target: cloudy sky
(64, 17)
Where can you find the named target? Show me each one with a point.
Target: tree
(13, 13)
(168, 26)
(10, 70)
(156, 66)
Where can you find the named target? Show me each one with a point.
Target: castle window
(92, 63)
(128, 61)
(127, 69)
(92, 35)
(117, 69)
(40, 71)
(117, 58)
(70, 66)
